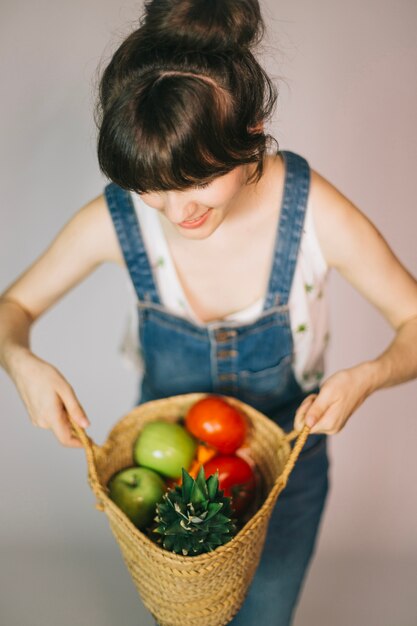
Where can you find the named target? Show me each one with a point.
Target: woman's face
(213, 201)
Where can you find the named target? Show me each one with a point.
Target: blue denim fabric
(249, 361)
(290, 542)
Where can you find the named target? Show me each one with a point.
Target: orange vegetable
(193, 471)
(203, 454)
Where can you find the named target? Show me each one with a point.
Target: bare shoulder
(94, 223)
(337, 221)
(353, 245)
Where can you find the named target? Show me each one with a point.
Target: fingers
(62, 430)
(301, 413)
(51, 401)
(327, 424)
(318, 413)
(73, 407)
(70, 407)
(56, 418)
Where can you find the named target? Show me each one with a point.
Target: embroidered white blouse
(308, 305)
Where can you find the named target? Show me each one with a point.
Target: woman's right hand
(49, 398)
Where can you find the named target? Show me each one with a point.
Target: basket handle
(300, 441)
(89, 448)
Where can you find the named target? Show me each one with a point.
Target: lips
(196, 222)
(194, 219)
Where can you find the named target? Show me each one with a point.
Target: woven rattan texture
(207, 589)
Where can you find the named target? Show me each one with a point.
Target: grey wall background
(348, 96)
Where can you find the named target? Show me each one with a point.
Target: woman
(228, 248)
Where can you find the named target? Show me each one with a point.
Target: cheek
(152, 200)
(224, 194)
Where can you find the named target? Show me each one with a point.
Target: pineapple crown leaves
(199, 490)
(195, 517)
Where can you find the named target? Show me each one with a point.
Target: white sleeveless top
(308, 305)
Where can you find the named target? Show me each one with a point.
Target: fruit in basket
(203, 454)
(165, 447)
(194, 518)
(136, 490)
(216, 422)
(236, 478)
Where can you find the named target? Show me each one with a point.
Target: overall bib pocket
(266, 384)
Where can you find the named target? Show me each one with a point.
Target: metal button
(229, 376)
(224, 335)
(224, 354)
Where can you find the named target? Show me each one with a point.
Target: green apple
(136, 491)
(165, 447)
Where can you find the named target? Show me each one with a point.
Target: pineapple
(195, 517)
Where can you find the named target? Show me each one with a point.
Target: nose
(178, 207)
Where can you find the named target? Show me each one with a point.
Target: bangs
(178, 130)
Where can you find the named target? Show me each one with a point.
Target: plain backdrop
(346, 74)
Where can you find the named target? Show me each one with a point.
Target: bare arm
(87, 241)
(356, 249)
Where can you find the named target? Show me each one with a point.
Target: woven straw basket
(207, 589)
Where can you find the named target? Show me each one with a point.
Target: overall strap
(290, 228)
(128, 231)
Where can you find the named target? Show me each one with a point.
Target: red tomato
(218, 423)
(236, 478)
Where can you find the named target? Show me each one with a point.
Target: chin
(197, 233)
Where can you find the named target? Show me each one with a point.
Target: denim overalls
(252, 362)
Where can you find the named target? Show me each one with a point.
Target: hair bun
(215, 25)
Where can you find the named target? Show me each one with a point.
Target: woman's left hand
(340, 395)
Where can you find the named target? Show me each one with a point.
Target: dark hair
(183, 98)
